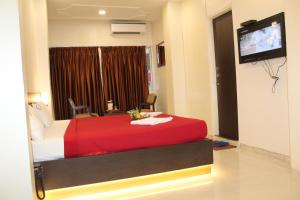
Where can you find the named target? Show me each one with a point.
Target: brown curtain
(124, 72)
(75, 73)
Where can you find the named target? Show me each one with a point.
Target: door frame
(212, 66)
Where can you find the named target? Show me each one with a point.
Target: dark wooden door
(225, 76)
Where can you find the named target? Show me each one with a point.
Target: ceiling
(146, 10)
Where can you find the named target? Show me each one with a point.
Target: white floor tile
(241, 174)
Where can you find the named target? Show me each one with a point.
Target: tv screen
(263, 40)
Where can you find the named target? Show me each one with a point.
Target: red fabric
(101, 135)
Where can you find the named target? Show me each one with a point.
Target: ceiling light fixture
(102, 12)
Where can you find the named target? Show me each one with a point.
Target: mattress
(110, 134)
(103, 135)
(52, 146)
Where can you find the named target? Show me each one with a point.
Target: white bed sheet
(52, 146)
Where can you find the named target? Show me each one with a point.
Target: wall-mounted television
(262, 40)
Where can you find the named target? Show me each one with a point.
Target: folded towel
(151, 114)
(151, 121)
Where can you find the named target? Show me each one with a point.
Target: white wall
(161, 86)
(185, 33)
(70, 33)
(263, 116)
(174, 51)
(196, 62)
(293, 48)
(214, 8)
(35, 50)
(16, 163)
(184, 82)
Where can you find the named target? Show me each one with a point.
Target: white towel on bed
(151, 114)
(151, 121)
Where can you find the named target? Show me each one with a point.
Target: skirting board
(109, 167)
(266, 152)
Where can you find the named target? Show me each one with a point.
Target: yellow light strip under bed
(137, 186)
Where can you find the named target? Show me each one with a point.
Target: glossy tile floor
(242, 174)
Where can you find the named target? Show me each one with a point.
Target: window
(149, 67)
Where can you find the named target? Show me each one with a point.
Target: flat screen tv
(262, 40)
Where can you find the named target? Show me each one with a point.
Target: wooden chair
(75, 109)
(149, 105)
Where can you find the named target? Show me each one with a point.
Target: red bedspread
(101, 135)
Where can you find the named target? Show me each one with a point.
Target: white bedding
(52, 146)
(151, 121)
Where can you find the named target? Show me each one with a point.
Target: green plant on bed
(135, 114)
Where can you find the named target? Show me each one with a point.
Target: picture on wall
(160, 51)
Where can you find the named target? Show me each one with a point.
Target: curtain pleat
(75, 73)
(125, 79)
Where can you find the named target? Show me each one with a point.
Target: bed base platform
(109, 167)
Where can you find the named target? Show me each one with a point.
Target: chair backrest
(72, 103)
(151, 99)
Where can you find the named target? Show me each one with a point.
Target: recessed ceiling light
(102, 12)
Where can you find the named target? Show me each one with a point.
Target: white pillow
(36, 126)
(42, 113)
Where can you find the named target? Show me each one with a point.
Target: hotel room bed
(92, 150)
(111, 134)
